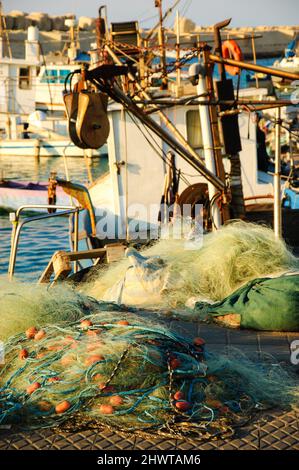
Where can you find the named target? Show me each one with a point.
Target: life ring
(231, 50)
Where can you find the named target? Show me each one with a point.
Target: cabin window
(62, 75)
(194, 135)
(49, 76)
(54, 76)
(24, 78)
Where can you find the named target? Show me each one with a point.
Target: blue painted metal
(291, 198)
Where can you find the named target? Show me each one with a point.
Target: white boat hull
(45, 148)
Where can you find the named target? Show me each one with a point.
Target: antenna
(158, 4)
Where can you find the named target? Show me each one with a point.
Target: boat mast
(177, 47)
(3, 29)
(208, 147)
(214, 125)
(161, 38)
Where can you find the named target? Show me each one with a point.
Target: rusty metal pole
(277, 178)
(254, 67)
(215, 128)
(236, 188)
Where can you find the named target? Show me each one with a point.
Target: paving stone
(149, 444)
(187, 329)
(242, 337)
(213, 334)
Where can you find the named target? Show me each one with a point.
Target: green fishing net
(118, 369)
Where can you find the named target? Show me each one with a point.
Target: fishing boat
(32, 117)
(13, 194)
(163, 138)
(289, 63)
(134, 140)
(165, 148)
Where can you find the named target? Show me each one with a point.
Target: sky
(202, 12)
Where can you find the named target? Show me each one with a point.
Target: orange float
(31, 388)
(198, 341)
(93, 359)
(183, 405)
(116, 400)
(106, 409)
(39, 335)
(44, 405)
(23, 354)
(62, 407)
(175, 363)
(179, 395)
(30, 332)
(85, 324)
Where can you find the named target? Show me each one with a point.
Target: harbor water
(41, 239)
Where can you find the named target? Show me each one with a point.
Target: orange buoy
(39, 335)
(93, 332)
(30, 332)
(231, 50)
(106, 409)
(97, 377)
(23, 354)
(85, 324)
(213, 403)
(31, 388)
(41, 355)
(175, 363)
(183, 405)
(94, 358)
(54, 379)
(116, 400)
(54, 347)
(44, 405)
(123, 322)
(62, 407)
(107, 388)
(198, 341)
(179, 395)
(224, 409)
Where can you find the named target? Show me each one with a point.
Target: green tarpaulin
(263, 304)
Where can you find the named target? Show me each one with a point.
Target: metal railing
(18, 225)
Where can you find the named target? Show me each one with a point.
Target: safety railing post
(17, 227)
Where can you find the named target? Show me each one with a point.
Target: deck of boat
(271, 430)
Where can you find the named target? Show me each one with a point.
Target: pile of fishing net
(123, 371)
(228, 258)
(24, 304)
